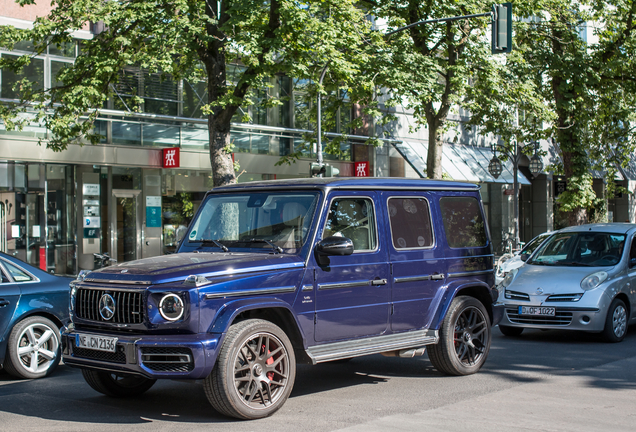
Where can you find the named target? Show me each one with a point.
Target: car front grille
(129, 305)
(564, 297)
(561, 318)
(119, 356)
(171, 359)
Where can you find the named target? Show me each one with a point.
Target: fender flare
(458, 288)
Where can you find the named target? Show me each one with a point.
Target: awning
(460, 162)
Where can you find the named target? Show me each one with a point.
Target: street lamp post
(319, 118)
(495, 169)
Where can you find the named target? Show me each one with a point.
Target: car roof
(386, 183)
(614, 227)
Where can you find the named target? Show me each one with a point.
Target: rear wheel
(117, 385)
(511, 331)
(33, 348)
(615, 322)
(254, 373)
(464, 338)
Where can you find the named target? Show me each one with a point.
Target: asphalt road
(553, 380)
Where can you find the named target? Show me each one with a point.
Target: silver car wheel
(619, 321)
(37, 347)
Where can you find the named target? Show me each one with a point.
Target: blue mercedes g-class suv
(276, 272)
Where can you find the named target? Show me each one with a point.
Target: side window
(463, 223)
(17, 274)
(410, 223)
(354, 219)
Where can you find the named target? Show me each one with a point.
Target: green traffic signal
(501, 28)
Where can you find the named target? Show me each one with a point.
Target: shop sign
(91, 233)
(92, 222)
(90, 189)
(170, 158)
(153, 211)
(91, 211)
(361, 169)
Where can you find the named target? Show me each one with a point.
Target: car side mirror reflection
(335, 246)
(524, 257)
(632, 262)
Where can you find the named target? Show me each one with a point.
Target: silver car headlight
(171, 307)
(509, 277)
(592, 281)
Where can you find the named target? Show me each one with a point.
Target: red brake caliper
(270, 375)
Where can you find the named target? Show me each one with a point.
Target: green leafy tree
(190, 39)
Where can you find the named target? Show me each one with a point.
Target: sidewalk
(595, 399)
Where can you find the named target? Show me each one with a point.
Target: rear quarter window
(463, 222)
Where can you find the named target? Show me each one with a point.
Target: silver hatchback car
(581, 278)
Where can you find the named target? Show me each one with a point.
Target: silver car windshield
(255, 220)
(590, 249)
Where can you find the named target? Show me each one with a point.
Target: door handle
(4, 302)
(437, 276)
(379, 282)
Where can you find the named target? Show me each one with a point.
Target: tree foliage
(190, 39)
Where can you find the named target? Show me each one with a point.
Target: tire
(464, 338)
(254, 372)
(119, 386)
(33, 348)
(615, 322)
(511, 331)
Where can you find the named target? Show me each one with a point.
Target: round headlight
(509, 277)
(171, 307)
(592, 281)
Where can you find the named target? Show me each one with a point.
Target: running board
(371, 345)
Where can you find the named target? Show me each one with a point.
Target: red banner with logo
(170, 158)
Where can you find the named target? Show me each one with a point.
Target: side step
(371, 345)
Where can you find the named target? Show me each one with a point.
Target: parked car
(580, 278)
(34, 306)
(508, 262)
(311, 270)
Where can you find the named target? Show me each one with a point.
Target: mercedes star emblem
(107, 306)
(539, 291)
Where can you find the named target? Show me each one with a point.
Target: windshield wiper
(276, 248)
(214, 242)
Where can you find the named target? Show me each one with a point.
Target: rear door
(9, 296)
(417, 261)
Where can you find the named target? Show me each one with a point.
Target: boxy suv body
(271, 273)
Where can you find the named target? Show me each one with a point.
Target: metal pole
(319, 119)
(516, 191)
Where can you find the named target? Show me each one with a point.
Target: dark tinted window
(410, 223)
(463, 223)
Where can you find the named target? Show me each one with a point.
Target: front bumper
(590, 319)
(152, 356)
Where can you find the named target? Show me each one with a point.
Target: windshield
(263, 220)
(534, 244)
(590, 249)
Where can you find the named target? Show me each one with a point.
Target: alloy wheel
(619, 321)
(37, 347)
(471, 333)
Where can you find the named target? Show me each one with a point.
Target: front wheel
(33, 349)
(254, 373)
(615, 322)
(464, 338)
(117, 385)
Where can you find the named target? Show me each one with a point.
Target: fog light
(585, 319)
(171, 307)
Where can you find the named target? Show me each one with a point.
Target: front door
(125, 225)
(352, 292)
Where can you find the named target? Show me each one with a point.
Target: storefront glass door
(125, 225)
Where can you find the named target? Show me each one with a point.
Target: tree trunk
(220, 156)
(435, 148)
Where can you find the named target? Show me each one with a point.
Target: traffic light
(501, 28)
(318, 170)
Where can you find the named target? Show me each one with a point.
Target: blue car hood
(176, 267)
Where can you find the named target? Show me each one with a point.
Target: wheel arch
(477, 289)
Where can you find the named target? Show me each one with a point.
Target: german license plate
(536, 310)
(94, 342)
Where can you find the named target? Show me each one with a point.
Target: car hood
(176, 267)
(552, 279)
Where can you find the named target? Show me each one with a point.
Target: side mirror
(335, 246)
(524, 257)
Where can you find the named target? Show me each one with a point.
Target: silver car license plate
(536, 310)
(94, 342)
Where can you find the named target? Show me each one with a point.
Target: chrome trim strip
(371, 345)
(336, 285)
(471, 273)
(118, 282)
(278, 290)
(104, 287)
(412, 279)
(308, 287)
